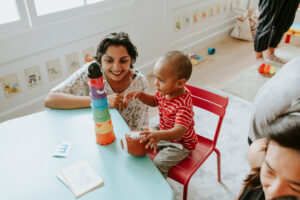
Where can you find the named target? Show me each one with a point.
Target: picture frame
(73, 63)
(54, 69)
(33, 77)
(186, 20)
(88, 54)
(177, 23)
(10, 85)
(196, 16)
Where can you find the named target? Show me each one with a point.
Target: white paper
(80, 177)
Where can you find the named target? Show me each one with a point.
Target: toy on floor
(294, 30)
(195, 59)
(268, 69)
(103, 126)
(211, 51)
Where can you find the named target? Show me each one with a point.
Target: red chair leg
(185, 189)
(287, 39)
(218, 163)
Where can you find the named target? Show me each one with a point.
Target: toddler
(176, 136)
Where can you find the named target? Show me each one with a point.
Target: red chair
(183, 172)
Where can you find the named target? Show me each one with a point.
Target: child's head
(172, 71)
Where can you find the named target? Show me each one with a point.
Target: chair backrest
(212, 103)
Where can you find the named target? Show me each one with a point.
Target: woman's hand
(256, 152)
(116, 101)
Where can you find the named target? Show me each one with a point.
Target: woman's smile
(118, 73)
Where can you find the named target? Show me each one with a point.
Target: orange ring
(105, 139)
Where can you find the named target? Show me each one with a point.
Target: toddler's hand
(152, 137)
(116, 101)
(130, 96)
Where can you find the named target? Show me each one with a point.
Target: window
(16, 14)
(8, 11)
(43, 11)
(51, 6)
(12, 15)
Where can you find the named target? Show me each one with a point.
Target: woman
(116, 54)
(275, 162)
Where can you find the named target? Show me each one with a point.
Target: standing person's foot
(274, 58)
(259, 58)
(260, 61)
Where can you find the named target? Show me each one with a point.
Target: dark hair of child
(181, 64)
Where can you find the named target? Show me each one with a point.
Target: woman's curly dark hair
(118, 39)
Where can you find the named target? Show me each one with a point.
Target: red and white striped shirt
(178, 111)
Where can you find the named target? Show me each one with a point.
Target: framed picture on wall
(204, 12)
(234, 4)
(177, 23)
(88, 54)
(211, 12)
(218, 8)
(53, 69)
(195, 16)
(73, 62)
(225, 6)
(186, 20)
(10, 85)
(33, 77)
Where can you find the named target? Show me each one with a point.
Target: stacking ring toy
(211, 51)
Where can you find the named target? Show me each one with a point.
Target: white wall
(150, 25)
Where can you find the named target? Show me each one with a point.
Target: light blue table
(28, 170)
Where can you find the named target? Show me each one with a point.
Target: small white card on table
(63, 149)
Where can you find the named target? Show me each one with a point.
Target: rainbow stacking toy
(103, 126)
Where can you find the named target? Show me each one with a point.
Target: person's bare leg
(270, 52)
(270, 55)
(259, 57)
